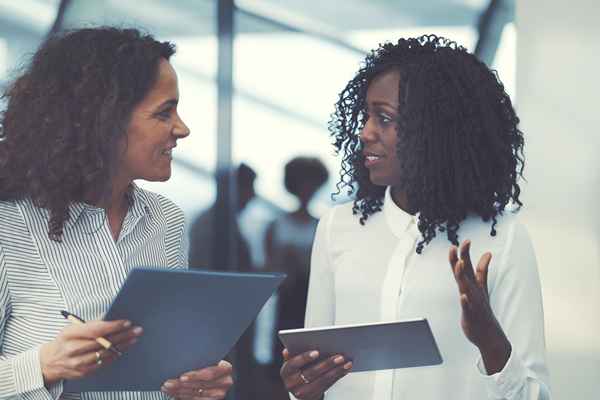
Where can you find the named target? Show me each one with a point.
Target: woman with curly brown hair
(93, 111)
(431, 151)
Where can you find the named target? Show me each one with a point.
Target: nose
(369, 131)
(180, 129)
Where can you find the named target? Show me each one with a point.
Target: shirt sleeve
(516, 299)
(20, 375)
(320, 305)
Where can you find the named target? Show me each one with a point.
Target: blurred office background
(258, 80)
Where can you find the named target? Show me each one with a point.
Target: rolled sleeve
(507, 383)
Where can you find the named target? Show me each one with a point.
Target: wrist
(495, 352)
(50, 377)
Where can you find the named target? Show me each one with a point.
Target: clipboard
(371, 347)
(191, 320)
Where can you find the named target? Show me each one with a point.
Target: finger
(224, 381)
(460, 277)
(294, 364)
(321, 385)
(465, 256)
(482, 270)
(208, 374)
(453, 256)
(96, 329)
(315, 372)
(286, 354)
(75, 347)
(465, 304)
(125, 336)
(211, 392)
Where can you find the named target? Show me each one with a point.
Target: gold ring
(304, 379)
(98, 358)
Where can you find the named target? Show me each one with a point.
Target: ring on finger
(304, 379)
(200, 390)
(98, 358)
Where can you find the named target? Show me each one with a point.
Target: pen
(102, 341)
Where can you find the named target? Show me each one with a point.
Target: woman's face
(379, 135)
(154, 130)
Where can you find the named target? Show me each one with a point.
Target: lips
(168, 151)
(372, 159)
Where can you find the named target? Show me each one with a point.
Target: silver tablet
(377, 346)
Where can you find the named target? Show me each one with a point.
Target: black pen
(101, 341)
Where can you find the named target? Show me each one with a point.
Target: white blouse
(371, 273)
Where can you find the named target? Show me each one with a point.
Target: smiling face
(153, 131)
(379, 135)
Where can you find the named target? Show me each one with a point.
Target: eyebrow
(385, 104)
(170, 102)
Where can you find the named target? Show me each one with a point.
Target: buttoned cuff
(28, 378)
(507, 383)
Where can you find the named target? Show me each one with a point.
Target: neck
(400, 198)
(116, 200)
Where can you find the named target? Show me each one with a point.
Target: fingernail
(138, 330)
(126, 324)
(348, 365)
(338, 360)
(185, 378)
(314, 354)
(169, 384)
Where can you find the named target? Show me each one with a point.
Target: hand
(308, 380)
(478, 320)
(207, 383)
(75, 353)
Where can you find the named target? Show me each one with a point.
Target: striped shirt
(40, 277)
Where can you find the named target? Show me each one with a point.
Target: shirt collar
(399, 221)
(139, 206)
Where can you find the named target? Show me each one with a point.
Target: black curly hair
(67, 112)
(304, 169)
(459, 146)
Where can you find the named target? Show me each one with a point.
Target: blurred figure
(202, 230)
(201, 255)
(288, 245)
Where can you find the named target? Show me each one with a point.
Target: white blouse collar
(399, 221)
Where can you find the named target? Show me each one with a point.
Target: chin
(158, 177)
(379, 180)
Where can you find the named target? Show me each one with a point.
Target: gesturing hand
(75, 353)
(478, 320)
(308, 380)
(203, 384)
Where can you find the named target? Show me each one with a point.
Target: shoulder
(508, 223)
(11, 214)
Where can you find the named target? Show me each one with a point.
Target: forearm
(495, 352)
(22, 373)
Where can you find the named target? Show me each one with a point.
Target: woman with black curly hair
(93, 111)
(432, 153)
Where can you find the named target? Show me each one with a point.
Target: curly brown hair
(67, 112)
(459, 146)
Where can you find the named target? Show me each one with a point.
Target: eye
(384, 118)
(164, 115)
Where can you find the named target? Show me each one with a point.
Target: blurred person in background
(432, 152)
(288, 245)
(95, 110)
